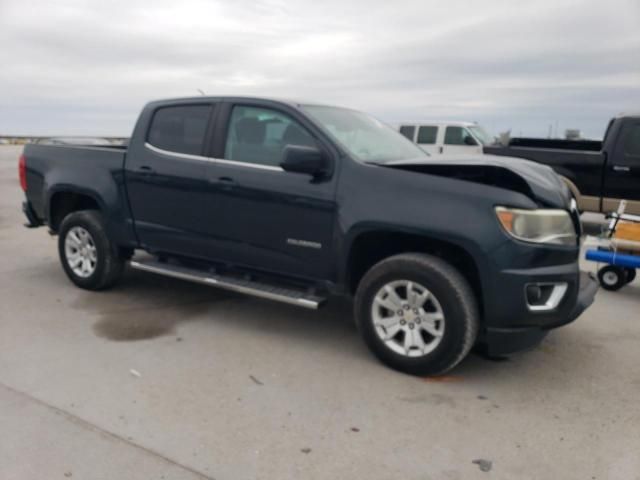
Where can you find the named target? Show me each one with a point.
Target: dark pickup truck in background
(296, 202)
(599, 174)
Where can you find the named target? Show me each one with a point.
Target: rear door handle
(146, 170)
(621, 168)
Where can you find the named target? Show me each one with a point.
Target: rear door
(269, 219)
(166, 180)
(427, 139)
(622, 174)
(459, 140)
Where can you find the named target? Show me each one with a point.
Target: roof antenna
(201, 92)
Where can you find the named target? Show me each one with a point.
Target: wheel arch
(63, 201)
(370, 247)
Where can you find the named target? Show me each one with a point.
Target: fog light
(543, 297)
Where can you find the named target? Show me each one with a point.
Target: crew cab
(599, 174)
(297, 202)
(447, 137)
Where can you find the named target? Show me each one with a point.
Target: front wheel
(88, 256)
(417, 313)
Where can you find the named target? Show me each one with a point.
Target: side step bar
(250, 287)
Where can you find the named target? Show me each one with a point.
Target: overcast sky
(88, 67)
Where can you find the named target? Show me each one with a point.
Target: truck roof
(209, 98)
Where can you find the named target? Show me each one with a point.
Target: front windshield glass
(482, 135)
(364, 137)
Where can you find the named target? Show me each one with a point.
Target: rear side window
(427, 135)
(180, 129)
(408, 131)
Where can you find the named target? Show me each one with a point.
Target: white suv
(447, 137)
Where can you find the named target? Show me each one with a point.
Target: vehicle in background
(447, 137)
(599, 174)
(296, 202)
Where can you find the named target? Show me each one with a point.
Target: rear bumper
(506, 340)
(32, 218)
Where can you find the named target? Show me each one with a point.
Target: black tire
(108, 264)
(454, 295)
(612, 278)
(631, 274)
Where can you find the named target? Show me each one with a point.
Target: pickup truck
(447, 137)
(599, 174)
(297, 202)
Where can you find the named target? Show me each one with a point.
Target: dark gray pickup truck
(296, 202)
(599, 174)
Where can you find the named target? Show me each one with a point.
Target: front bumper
(498, 340)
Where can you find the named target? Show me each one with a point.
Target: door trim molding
(220, 161)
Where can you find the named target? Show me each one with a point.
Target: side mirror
(469, 140)
(309, 160)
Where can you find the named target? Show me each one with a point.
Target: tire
(612, 278)
(89, 258)
(436, 345)
(631, 274)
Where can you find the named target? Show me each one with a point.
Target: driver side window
(458, 136)
(258, 135)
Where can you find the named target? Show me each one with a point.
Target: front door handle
(621, 168)
(226, 183)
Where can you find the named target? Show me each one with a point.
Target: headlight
(539, 226)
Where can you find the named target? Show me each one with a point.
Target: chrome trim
(557, 294)
(220, 161)
(176, 154)
(220, 282)
(258, 166)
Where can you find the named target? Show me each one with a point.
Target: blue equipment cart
(622, 257)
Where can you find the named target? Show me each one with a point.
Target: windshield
(364, 137)
(481, 134)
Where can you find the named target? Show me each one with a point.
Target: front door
(622, 172)
(269, 219)
(458, 140)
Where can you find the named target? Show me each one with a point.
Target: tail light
(22, 172)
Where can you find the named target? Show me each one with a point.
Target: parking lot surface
(158, 378)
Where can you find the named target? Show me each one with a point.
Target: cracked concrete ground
(231, 387)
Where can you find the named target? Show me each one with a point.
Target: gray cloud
(81, 67)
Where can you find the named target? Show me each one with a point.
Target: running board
(249, 287)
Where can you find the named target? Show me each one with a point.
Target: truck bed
(77, 165)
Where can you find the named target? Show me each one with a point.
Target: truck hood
(538, 182)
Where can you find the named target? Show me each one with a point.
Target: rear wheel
(88, 256)
(612, 278)
(417, 314)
